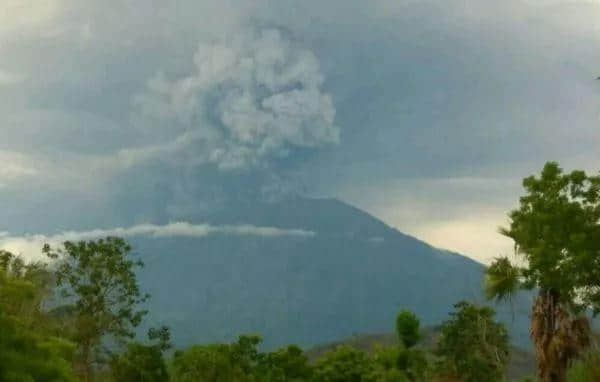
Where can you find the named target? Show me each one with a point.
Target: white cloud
(29, 246)
(256, 96)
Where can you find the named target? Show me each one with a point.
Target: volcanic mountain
(343, 272)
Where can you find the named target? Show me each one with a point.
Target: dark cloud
(423, 92)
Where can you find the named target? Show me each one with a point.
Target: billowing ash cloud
(29, 246)
(250, 99)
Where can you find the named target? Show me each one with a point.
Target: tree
(413, 363)
(144, 363)
(474, 346)
(289, 364)
(30, 350)
(345, 364)
(26, 355)
(25, 286)
(206, 363)
(234, 362)
(99, 280)
(386, 360)
(556, 232)
(410, 361)
(407, 328)
(240, 362)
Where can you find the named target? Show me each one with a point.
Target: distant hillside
(352, 276)
(522, 362)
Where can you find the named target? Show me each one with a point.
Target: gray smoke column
(250, 99)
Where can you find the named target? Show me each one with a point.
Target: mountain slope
(352, 276)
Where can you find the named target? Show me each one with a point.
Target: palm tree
(557, 240)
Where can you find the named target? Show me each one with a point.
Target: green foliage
(204, 363)
(413, 363)
(98, 282)
(29, 350)
(345, 364)
(392, 375)
(144, 363)
(289, 364)
(399, 363)
(557, 232)
(162, 335)
(474, 347)
(386, 357)
(585, 370)
(407, 328)
(502, 280)
(99, 279)
(387, 360)
(139, 363)
(240, 362)
(29, 356)
(24, 287)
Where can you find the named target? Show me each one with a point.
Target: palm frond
(502, 280)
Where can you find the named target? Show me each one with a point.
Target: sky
(117, 115)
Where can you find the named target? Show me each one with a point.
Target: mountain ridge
(352, 276)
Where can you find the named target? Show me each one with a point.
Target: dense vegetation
(89, 335)
(556, 232)
(74, 318)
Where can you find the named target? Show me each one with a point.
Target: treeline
(73, 319)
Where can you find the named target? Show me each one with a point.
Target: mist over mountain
(351, 275)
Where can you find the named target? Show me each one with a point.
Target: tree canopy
(556, 231)
(407, 328)
(474, 346)
(30, 348)
(98, 278)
